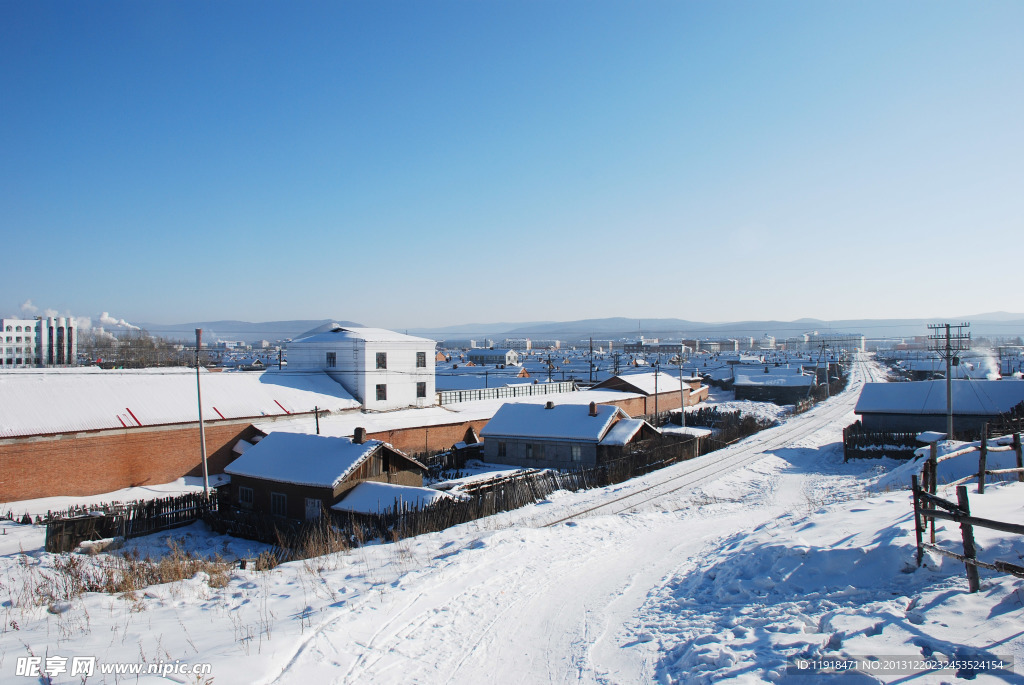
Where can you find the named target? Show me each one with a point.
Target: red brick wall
(90, 463)
(427, 438)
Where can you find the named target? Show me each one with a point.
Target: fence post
(1020, 461)
(983, 459)
(967, 531)
(918, 530)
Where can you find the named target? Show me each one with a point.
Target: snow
(302, 459)
(34, 401)
(337, 332)
(693, 431)
(774, 379)
(623, 431)
(374, 498)
(929, 397)
(181, 486)
(723, 568)
(560, 422)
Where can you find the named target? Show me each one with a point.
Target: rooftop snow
(929, 397)
(366, 334)
(302, 459)
(370, 497)
(774, 379)
(46, 401)
(345, 424)
(561, 422)
(622, 432)
(645, 382)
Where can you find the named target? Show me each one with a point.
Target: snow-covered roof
(645, 382)
(984, 398)
(45, 401)
(774, 379)
(622, 432)
(370, 497)
(561, 422)
(366, 334)
(302, 459)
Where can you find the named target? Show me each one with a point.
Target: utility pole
(682, 395)
(948, 341)
(656, 392)
(616, 356)
(202, 431)
(550, 367)
(316, 413)
(591, 360)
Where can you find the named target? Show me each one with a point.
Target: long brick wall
(90, 463)
(80, 464)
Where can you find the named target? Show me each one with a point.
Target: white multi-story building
(50, 341)
(380, 368)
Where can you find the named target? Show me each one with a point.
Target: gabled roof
(623, 431)
(985, 398)
(302, 459)
(643, 383)
(561, 422)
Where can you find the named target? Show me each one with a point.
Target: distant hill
(239, 330)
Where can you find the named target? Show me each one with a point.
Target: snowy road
(531, 602)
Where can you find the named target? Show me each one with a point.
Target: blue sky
(408, 164)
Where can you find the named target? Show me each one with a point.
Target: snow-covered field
(794, 555)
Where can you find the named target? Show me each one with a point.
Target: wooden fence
(861, 444)
(66, 529)
(928, 507)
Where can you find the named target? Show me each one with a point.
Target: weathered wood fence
(928, 507)
(66, 529)
(861, 444)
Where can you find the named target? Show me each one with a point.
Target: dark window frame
(278, 504)
(421, 389)
(382, 361)
(382, 392)
(421, 360)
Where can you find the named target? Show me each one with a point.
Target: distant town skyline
(428, 164)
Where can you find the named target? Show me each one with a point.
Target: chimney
(549, 405)
(593, 408)
(360, 436)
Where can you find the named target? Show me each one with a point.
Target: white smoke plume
(27, 308)
(107, 320)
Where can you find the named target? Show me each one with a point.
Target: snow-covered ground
(685, 575)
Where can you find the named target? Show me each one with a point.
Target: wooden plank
(974, 521)
(967, 533)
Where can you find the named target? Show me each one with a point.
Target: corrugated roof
(46, 401)
(370, 497)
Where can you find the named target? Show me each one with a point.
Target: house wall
(88, 463)
(547, 454)
(356, 369)
(916, 423)
(428, 438)
(779, 394)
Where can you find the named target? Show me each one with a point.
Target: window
(278, 504)
(382, 360)
(382, 392)
(245, 497)
(332, 360)
(421, 360)
(529, 451)
(501, 448)
(575, 452)
(421, 389)
(313, 507)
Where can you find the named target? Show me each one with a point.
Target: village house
(562, 436)
(778, 384)
(382, 369)
(495, 357)
(918, 406)
(660, 391)
(299, 475)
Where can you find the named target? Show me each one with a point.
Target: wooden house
(560, 436)
(298, 475)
